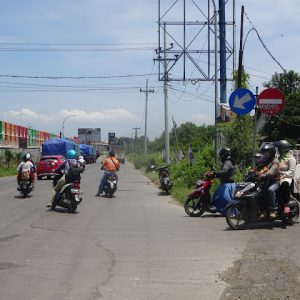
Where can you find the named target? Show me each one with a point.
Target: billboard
(111, 138)
(87, 135)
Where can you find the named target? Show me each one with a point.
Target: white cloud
(202, 119)
(28, 114)
(118, 114)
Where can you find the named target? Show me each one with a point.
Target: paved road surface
(138, 245)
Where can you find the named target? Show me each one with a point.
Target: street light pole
(63, 123)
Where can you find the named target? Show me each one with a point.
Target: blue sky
(113, 40)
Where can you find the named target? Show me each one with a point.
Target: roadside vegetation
(238, 135)
(9, 162)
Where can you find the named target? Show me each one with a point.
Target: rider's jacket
(270, 171)
(66, 165)
(26, 166)
(226, 174)
(111, 164)
(287, 166)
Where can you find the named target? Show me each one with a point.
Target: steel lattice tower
(189, 28)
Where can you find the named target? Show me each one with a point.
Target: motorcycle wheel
(194, 207)
(294, 218)
(167, 190)
(73, 206)
(235, 217)
(108, 195)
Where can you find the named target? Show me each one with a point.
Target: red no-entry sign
(270, 101)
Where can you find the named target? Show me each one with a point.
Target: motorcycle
(25, 187)
(164, 178)
(110, 185)
(248, 206)
(68, 196)
(199, 200)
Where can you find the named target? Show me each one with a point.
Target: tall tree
(287, 83)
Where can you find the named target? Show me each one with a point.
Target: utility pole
(240, 66)
(135, 136)
(167, 139)
(147, 91)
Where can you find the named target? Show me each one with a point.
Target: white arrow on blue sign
(242, 101)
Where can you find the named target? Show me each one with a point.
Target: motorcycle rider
(270, 177)
(82, 162)
(287, 166)
(110, 165)
(70, 161)
(26, 165)
(224, 192)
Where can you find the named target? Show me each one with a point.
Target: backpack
(25, 175)
(73, 174)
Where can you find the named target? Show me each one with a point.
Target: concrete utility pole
(167, 139)
(146, 111)
(135, 136)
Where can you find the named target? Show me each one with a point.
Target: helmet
(283, 146)
(259, 159)
(111, 153)
(26, 157)
(224, 153)
(268, 150)
(80, 157)
(71, 154)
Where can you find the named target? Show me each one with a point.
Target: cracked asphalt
(137, 245)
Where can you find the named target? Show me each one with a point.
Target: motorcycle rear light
(76, 185)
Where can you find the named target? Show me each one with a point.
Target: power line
(264, 45)
(76, 77)
(297, 125)
(74, 49)
(76, 44)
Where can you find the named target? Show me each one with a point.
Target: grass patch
(5, 171)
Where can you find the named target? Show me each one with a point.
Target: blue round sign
(242, 101)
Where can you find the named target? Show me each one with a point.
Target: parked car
(47, 165)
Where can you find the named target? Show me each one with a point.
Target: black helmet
(283, 146)
(111, 153)
(224, 153)
(259, 159)
(268, 150)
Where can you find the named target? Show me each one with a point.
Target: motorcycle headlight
(238, 194)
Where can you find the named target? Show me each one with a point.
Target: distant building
(89, 135)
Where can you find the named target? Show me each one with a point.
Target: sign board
(242, 101)
(111, 138)
(87, 135)
(270, 101)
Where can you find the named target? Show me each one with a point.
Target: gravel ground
(263, 272)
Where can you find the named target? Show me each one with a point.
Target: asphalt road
(138, 245)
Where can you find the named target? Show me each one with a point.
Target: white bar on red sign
(270, 101)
